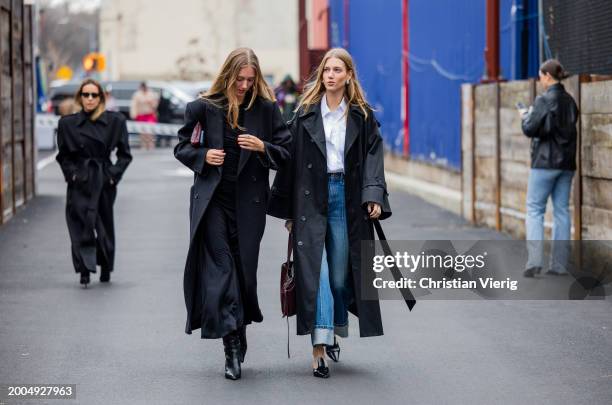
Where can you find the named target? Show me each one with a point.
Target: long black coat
(84, 155)
(263, 120)
(300, 193)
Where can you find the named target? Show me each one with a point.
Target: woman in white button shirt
(330, 192)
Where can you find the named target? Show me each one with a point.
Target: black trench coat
(84, 155)
(263, 120)
(300, 193)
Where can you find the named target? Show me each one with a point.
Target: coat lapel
(352, 128)
(251, 123)
(214, 127)
(89, 130)
(313, 122)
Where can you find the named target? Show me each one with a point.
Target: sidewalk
(124, 343)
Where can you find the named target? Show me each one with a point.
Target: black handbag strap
(397, 275)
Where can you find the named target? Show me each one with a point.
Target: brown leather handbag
(287, 288)
(287, 283)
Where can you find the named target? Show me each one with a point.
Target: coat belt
(95, 182)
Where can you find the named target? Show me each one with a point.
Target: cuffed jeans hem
(341, 331)
(322, 336)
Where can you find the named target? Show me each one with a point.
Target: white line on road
(45, 162)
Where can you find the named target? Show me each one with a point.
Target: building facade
(189, 39)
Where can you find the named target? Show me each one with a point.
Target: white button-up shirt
(334, 124)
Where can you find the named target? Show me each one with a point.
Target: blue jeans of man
(557, 184)
(334, 292)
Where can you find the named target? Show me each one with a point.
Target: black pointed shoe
(231, 345)
(333, 352)
(322, 371)
(84, 278)
(243, 342)
(104, 276)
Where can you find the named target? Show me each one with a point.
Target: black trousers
(221, 277)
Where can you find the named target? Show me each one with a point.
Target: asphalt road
(124, 343)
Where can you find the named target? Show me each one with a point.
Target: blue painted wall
(375, 41)
(337, 37)
(447, 41)
(507, 37)
(519, 52)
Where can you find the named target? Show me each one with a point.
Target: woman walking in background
(551, 125)
(143, 108)
(244, 137)
(85, 142)
(329, 193)
(287, 97)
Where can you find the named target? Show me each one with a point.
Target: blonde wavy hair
(222, 93)
(314, 90)
(101, 107)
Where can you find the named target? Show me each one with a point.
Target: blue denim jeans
(542, 184)
(334, 292)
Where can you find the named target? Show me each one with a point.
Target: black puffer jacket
(551, 125)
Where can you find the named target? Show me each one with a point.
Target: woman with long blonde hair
(242, 136)
(333, 188)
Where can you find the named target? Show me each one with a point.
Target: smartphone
(521, 106)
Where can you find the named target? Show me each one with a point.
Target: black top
(551, 125)
(226, 191)
(231, 147)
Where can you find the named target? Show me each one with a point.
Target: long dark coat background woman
(85, 142)
(294, 198)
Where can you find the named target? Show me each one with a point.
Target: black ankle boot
(84, 278)
(231, 345)
(243, 342)
(104, 275)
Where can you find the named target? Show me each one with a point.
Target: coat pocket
(80, 175)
